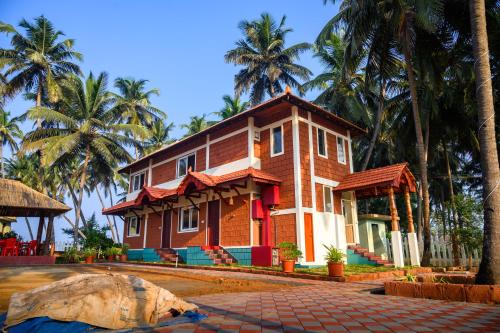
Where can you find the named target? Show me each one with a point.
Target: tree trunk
(489, 269)
(48, 235)
(39, 232)
(114, 219)
(419, 212)
(80, 195)
(422, 160)
(113, 236)
(39, 100)
(29, 228)
(454, 239)
(376, 130)
(2, 173)
(73, 226)
(74, 198)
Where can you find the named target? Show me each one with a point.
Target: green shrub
(125, 248)
(89, 252)
(71, 255)
(333, 254)
(289, 251)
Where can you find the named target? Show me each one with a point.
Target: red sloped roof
(202, 180)
(122, 206)
(154, 193)
(384, 177)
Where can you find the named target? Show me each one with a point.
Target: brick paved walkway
(335, 307)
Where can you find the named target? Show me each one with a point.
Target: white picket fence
(62, 246)
(441, 252)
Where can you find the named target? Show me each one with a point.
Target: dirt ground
(18, 279)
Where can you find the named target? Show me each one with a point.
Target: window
(184, 163)
(328, 199)
(134, 226)
(322, 143)
(138, 181)
(277, 141)
(188, 220)
(340, 150)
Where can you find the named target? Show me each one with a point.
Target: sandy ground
(182, 284)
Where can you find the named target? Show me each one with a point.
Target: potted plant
(110, 253)
(124, 256)
(71, 255)
(89, 254)
(289, 254)
(117, 252)
(334, 258)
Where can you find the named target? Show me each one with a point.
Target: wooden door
(349, 227)
(309, 235)
(166, 229)
(213, 222)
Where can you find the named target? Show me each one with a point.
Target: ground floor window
(328, 199)
(188, 219)
(134, 226)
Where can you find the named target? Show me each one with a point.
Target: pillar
(48, 235)
(266, 226)
(396, 241)
(412, 236)
(39, 232)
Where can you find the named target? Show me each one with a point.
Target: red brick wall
(256, 149)
(305, 165)
(195, 238)
(133, 242)
(329, 168)
(180, 149)
(201, 155)
(228, 150)
(319, 198)
(273, 114)
(280, 166)
(235, 222)
(153, 236)
(141, 165)
(328, 124)
(226, 129)
(285, 229)
(164, 172)
(337, 204)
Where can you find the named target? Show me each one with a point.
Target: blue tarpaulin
(47, 325)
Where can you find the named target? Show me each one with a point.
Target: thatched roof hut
(17, 199)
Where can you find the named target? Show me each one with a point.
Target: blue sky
(178, 46)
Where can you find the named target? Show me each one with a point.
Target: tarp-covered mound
(113, 301)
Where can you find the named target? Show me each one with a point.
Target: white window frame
(272, 141)
(325, 143)
(328, 188)
(132, 181)
(186, 157)
(137, 226)
(190, 211)
(344, 161)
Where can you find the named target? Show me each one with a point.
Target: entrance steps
(370, 256)
(218, 255)
(168, 255)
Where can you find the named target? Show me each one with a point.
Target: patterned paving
(335, 307)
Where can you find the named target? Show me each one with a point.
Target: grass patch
(323, 270)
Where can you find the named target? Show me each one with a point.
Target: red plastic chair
(10, 247)
(32, 248)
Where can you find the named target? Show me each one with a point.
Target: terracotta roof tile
(388, 176)
(122, 206)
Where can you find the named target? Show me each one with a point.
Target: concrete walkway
(318, 306)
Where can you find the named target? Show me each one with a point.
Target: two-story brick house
(261, 177)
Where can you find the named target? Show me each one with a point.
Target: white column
(145, 230)
(397, 248)
(251, 133)
(413, 245)
(150, 172)
(298, 183)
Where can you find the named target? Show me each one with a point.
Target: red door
(309, 233)
(167, 222)
(213, 222)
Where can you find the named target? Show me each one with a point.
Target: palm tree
(403, 17)
(489, 269)
(133, 104)
(9, 131)
(196, 124)
(38, 60)
(85, 129)
(268, 64)
(160, 136)
(232, 106)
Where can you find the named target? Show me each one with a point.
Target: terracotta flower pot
(336, 269)
(123, 257)
(89, 260)
(288, 265)
(111, 258)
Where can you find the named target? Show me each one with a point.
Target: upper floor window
(134, 226)
(341, 150)
(328, 199)
(138, 181)
(188, 219)
(322, 150)
(184, 163)
(276, 141)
